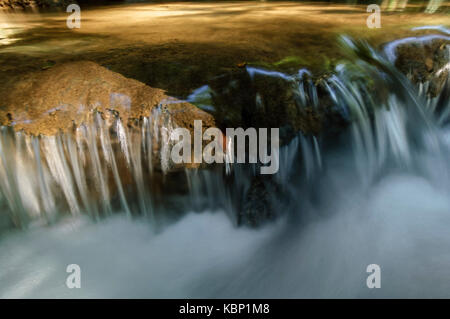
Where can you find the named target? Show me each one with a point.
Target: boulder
(425, 60)
(250, 97)
(82, 138)
(261, 203)
(67, 95)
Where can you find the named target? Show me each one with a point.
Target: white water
(381, 197)
(400, 223)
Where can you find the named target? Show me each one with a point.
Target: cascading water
(85, 171)
(376, 194)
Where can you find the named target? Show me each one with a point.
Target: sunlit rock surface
(79, 138)
(67, 95)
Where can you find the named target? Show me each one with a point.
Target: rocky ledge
(67, 95)
(424, 59)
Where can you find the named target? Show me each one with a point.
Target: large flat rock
(66, 95)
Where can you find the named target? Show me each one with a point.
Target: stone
(425, 61)
(67, 95)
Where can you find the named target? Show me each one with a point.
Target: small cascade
(97, 168)
(388, 126)
(107, 166)
(391, 121)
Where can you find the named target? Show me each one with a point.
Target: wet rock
(248, 97)
(59, 100)
(425, 61)
(67, 95)
(261, 203)
(258, 98)
(101, 141)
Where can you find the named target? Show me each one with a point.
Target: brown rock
(425, 62)
(429, 64)
(67, 95)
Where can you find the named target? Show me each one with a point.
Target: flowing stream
(378, 193)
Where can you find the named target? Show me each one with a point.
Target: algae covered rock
(253, 97)
(424, 60)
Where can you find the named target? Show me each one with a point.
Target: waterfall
(374, 192)
(106, 166)
(96, 168)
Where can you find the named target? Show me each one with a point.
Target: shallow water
(378, 195)
(180, 46)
